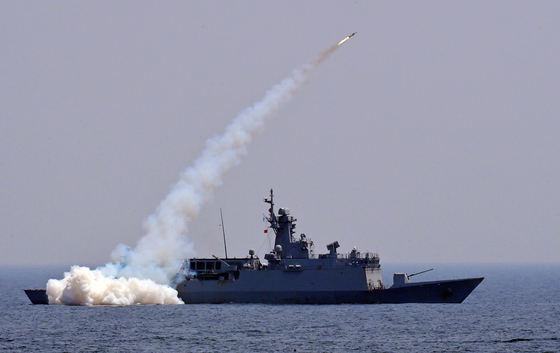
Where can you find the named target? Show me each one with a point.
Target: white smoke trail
(152, 264)
(91, 287)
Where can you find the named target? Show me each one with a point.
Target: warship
(293, 274)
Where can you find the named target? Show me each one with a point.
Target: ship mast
(272, 218)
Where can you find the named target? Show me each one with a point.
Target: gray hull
(448, 291)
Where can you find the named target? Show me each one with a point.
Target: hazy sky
(431, 136)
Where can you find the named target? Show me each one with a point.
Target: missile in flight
(345, 39)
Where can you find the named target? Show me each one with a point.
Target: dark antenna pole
(223, 232)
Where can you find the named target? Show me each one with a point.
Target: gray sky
(430, 136)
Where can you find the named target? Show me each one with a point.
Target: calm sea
(515, 309)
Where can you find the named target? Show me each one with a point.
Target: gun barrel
(418, 273)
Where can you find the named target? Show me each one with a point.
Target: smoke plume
(143, 275)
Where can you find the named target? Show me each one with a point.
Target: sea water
(515, 309)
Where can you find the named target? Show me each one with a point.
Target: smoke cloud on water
(144, 275)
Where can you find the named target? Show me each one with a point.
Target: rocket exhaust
(345, 39)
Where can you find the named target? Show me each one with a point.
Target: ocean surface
(515, 309)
